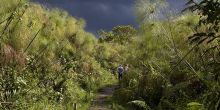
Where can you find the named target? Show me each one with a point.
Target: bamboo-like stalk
(40, 55)
(7, 102)
(4, 20)
(7, 25)
(42, 51)
(32, 40)
(9, 19)
(19, 19)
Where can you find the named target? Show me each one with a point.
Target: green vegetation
(48, 60)
(174, 62)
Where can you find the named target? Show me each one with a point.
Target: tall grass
(47, 60)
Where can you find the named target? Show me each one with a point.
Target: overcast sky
(103, 14)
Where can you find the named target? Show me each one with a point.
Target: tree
(123, 34)
(119, 34)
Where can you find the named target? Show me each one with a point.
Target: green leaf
(139, 103)
(195, 106)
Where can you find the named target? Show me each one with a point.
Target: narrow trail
(103, 101)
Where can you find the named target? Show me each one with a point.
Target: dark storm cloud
(99, 14)
(177, 4)
(102, 14)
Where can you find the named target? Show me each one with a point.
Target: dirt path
(102, 102)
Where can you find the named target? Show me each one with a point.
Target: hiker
(120, 72)
(126, 68)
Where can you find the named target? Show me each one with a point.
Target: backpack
(120, 70)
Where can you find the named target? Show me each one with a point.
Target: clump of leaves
(139, 104)
(209, 12)
(119, 34)
(195, 106)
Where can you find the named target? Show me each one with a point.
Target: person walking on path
(126, 68)
(120, 72)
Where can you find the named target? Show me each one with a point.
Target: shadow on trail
(103, 101)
